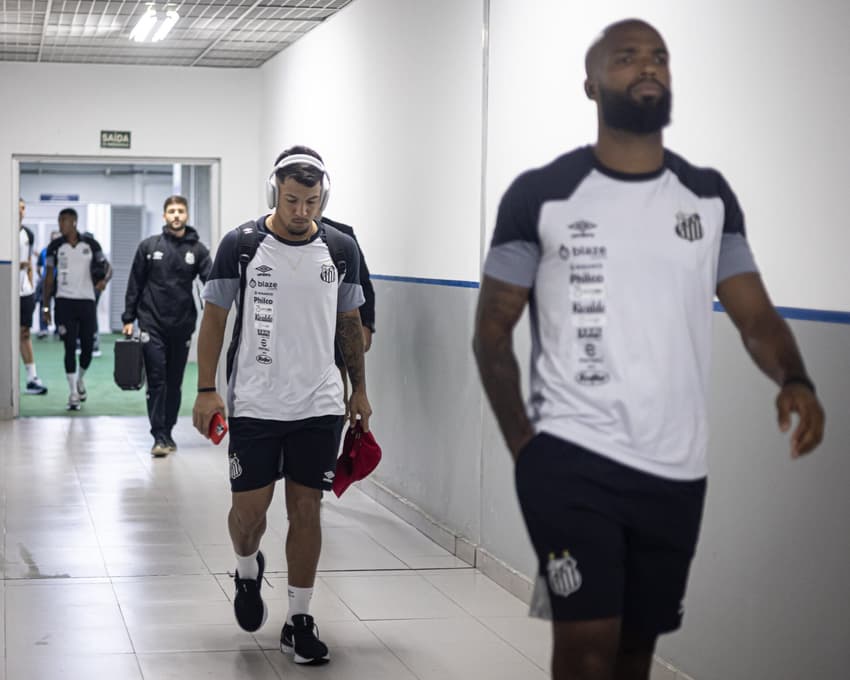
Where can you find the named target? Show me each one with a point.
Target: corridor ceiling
(221, 33)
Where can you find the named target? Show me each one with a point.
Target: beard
(642, 117)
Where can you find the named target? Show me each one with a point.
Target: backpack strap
(248, 240)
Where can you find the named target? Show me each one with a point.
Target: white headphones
(271, 182)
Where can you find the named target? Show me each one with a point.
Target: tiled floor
(115, 566)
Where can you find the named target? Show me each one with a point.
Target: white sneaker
(73, 402)
(81, 390)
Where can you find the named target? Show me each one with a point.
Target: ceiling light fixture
(163, 22)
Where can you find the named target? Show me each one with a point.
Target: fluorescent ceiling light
(167, 24)
(144, 26)
(150, 20)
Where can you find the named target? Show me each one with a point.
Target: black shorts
(264, 451)
(27, 309)
(612, 541)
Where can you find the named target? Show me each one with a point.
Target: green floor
(105, 397)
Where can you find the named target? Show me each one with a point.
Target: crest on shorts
(235, 466)
(563, 574)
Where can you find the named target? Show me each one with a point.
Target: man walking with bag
(159, 296)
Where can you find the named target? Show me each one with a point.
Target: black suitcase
(129, 371)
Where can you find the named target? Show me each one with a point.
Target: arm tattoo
(349, 337)
(499, 308)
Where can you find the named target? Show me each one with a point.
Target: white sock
(247, 566)
(31, 374)
(299, 602)
(72, 382)
(81, 386)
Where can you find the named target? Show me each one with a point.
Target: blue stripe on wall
(430, 282)
(5, 261)
(801, 314)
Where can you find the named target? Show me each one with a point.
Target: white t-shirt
(622, 270)
(284, 368)
(26, 287)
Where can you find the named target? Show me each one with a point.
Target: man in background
(159, 295)
(27, 292)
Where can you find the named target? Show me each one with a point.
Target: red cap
(360, 455)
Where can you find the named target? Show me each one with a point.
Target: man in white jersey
(296, 284)
(27, 293)
(80, 267)
(619, 248)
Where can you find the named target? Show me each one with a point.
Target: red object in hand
(218, 428)
(360, 455)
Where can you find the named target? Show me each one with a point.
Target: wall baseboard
(519, 585)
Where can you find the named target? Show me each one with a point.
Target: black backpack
(248, 239)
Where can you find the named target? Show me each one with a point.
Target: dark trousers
(76, 319)
(165, 362)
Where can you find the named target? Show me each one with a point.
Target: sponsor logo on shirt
(586, 278)
(582, 229)
(263, 270)
(261, 299)
(328, 273)
(564, 252)
(264, 359)
(594, 307)
(592, 378)
(689, 227)
(157, 254)
(595, 252)
(263, 333)
(268, 285)
(590, 333)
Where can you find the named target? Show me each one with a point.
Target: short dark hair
(302, 173)
(175, 199)
(68, 211)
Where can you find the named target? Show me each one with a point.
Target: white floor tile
(393, 597)
(207, 665)
(452, 649)
(116, 565)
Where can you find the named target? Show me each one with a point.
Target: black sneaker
(251, 611)
(35, 386)
(170, 443)
(301, 639)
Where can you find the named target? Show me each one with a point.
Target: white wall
(389, 93)
(172, 113)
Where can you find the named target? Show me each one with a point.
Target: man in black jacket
(160, 297)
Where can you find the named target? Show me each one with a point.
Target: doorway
(120, 202)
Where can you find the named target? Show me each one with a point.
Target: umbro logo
(263, 270)
(689, 227)
(582, 229)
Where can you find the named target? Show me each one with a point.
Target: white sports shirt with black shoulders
(25, 256)
(623, 271)
(284, 367)
(73, 266)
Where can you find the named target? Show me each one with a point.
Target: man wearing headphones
(295, 282)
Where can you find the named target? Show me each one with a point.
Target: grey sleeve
(735, 257)
(515, 249)
(513, 262)
(221, 292)
(350, 295)
(222, 286)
